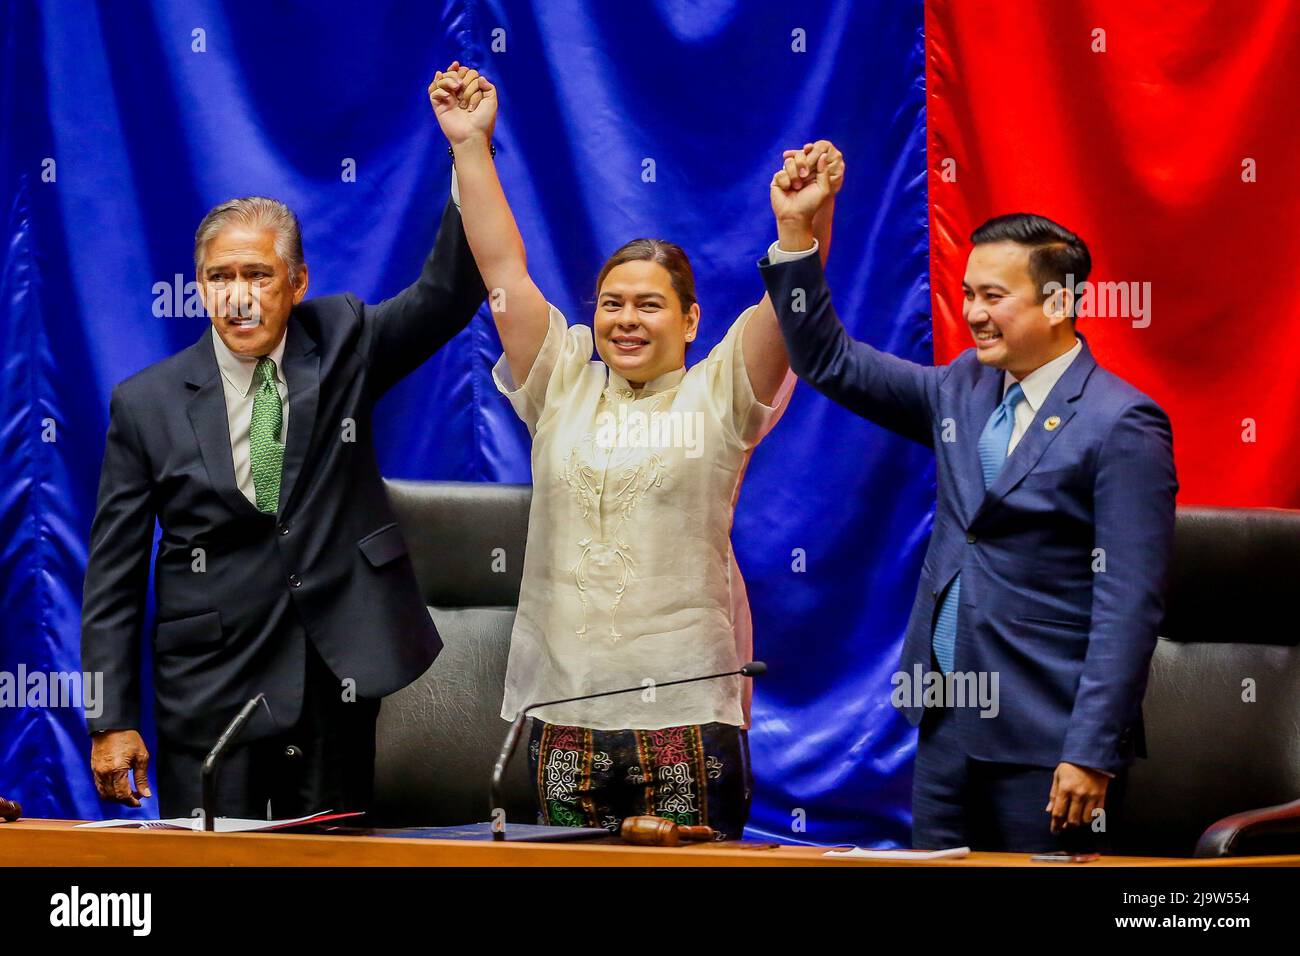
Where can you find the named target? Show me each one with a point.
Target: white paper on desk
(952, 853)
(220, 825)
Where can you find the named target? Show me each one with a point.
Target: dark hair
(1058, 254)
(667, 254)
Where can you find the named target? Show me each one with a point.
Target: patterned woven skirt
(696, 775)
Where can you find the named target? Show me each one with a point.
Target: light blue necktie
(993, 455)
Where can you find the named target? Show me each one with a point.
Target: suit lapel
(302, 373)
(984, 397)
(207, 414)
(1060, 405)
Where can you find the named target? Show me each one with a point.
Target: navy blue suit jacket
(1071, 645)
(240, 592)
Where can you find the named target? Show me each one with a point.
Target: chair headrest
(466, 539)
(1235, 575)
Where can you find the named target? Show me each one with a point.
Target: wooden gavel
(656, 831)
(10, 810)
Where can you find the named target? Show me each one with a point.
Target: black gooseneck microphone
(752, 669)
(218, 751)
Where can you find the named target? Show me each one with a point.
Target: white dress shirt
(629, 575)
(237, 382)
(1036, 386)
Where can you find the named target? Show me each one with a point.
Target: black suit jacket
(239, 592)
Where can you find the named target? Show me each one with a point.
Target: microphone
(218, 751)
(752, 669)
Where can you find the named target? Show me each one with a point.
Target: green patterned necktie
(266, 451)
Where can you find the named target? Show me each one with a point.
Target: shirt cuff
(455, 189)
(776, 254)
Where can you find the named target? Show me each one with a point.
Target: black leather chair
(1222, 709)
(1222, 776)
(438, 738)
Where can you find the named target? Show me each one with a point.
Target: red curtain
(1139, 125)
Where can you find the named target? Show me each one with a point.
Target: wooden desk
(56, 843)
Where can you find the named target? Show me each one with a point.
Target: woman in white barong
(629, 577)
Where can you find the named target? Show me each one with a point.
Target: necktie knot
(1015, 395)
(265, 370)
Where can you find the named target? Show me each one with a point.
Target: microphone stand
(752, 669)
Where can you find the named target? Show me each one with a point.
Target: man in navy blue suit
(1046, 569)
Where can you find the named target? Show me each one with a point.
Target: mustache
(236, 311)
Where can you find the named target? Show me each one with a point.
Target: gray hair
(254, 212)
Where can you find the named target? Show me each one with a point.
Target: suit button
(295, 581)
(970, 539)
(283, 529)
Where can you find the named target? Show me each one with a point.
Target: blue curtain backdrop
(120, 134)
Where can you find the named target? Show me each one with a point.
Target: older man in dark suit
(280, 568)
